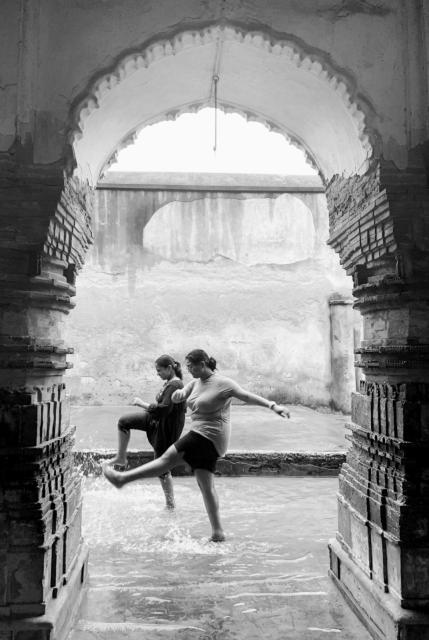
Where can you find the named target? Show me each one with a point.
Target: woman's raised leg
(139, 421)
(123, 440)
(205, 481)
(152, 469)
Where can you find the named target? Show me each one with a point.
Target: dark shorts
(199, 452)
(158, 435)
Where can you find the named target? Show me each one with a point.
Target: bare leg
(152, 469)
(123, 440)
(141, 421)
(167, 486)
(205, 481)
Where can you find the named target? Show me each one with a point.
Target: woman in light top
(208, 397)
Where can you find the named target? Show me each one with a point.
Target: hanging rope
(215, 80)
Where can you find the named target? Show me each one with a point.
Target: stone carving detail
(383, 487)
(43, 517)
(348, 196)
(24, 352)
(360, 223)
(379, 227)
(48, 229)
(393, 356)
(379, 408)
(70, 231)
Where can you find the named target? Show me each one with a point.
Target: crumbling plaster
(9, 35)
(357, 38)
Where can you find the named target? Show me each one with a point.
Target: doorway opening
(225, 250)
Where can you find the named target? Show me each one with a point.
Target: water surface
(154, 574)
(253, 429)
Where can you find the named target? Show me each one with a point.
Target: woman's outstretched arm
(182, 394)
(253, 398)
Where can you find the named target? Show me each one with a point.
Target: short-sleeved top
(209, 402)
(168, 416)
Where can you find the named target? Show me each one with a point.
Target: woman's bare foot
(218, 536)
(118, 462)
(115, 477)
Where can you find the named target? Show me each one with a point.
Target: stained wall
(248, 279)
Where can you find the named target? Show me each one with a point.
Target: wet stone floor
(155, 575)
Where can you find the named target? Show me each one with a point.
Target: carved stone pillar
(380, 558)
(44, 232)
(342, 322)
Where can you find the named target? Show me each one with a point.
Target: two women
(162, 421)
(208, 397)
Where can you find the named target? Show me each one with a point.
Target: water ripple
(286, 594)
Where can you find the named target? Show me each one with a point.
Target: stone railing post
(380, 557)
(342, 322)
(43, 235)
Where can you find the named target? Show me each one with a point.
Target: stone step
(236, 463)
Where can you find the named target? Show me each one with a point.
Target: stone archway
(302, 96)
(370, 203)
(379, 227)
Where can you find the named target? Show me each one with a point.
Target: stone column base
(61, 612)
(380, 612)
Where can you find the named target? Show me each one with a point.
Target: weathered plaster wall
(9, 36)
(359, 35)
(245, 279)
(252, 231)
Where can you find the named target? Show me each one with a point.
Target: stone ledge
(203, 181)
(235, 463)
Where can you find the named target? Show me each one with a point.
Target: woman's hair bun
(199, 355)
(211, 363)
(166, 360)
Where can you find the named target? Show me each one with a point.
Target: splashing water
(155, 574)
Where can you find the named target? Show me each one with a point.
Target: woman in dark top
(162, 421)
